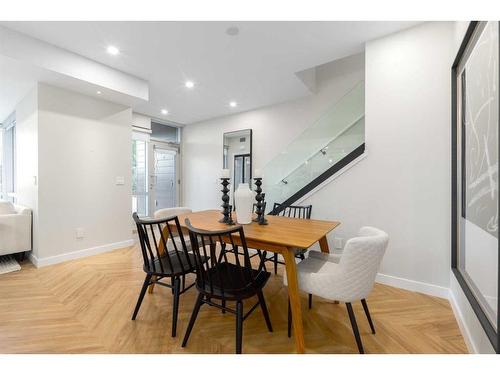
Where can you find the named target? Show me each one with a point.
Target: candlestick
(226, 207)
(260, 206)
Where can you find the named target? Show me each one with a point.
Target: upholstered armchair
(15, 228)
(347, 278)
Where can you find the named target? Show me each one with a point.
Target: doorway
(164, 181)
(155, 169)
(242, 170)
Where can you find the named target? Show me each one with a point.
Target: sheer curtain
(8, 157)
(140, 198)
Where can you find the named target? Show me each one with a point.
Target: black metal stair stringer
(354, 154)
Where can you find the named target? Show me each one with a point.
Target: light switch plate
(338, 243)
(80, 233)
(120, 180)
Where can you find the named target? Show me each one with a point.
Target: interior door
(242, 170)
(164, 179)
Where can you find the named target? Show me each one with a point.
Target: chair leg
(310, 301)
(239, 326)
(223, 306)
(289, 319)
(263, 257)
(183, 282)
(367, 312)
(355, 327)
(177, 290)
(199, 302)
(263, 306)
(275, 261)
(141, 295)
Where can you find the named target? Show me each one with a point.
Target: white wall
(273, 128)
(83, 145)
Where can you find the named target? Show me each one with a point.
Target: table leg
(323, 244)
(293, 293)
(152, 286)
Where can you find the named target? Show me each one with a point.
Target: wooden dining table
(282, 235)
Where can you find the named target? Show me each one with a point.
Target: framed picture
(475, 151)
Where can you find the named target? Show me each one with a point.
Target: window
(165, 133)
(7, 158)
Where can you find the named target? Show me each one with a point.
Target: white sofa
(15, 228)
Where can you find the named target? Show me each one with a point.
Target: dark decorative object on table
(261, 204)
(226, 207)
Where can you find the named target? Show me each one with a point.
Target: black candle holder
(261, 204)
(226, 207)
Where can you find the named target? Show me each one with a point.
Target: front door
(164, 182)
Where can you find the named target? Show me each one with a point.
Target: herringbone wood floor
(84, 306)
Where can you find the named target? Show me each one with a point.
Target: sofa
(15, 228)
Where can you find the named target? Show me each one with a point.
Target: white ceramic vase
(243, 200)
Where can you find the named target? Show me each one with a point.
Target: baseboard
(47, 261)
(464, 329)
(414, 286)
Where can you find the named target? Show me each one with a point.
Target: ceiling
(257, 67)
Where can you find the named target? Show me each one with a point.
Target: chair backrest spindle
(163, 248)
(298, 212)
(225, 272)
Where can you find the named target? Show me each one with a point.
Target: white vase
(243, 200)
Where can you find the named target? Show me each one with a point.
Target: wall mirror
(475, 149)
(237, 156)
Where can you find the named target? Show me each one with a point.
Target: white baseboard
(464, 329)
(47, 261)
(414, 286)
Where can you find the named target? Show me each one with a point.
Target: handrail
(339, 134)
(321, 178)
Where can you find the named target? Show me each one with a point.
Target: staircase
(332, 142)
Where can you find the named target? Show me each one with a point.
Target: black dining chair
(298, 212)
(259, 253)
(165, 255)
(228, 276)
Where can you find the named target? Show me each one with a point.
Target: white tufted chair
(174, 211)
(347, 278)
(167, 212)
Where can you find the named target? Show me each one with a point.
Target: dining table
(281, 235)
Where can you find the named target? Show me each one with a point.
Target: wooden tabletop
(284, 231)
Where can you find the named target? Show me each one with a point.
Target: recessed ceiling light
(189, 84)
(232, 31)
(164, 112)
(98, 92)
(112, 50)
(233, 104)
